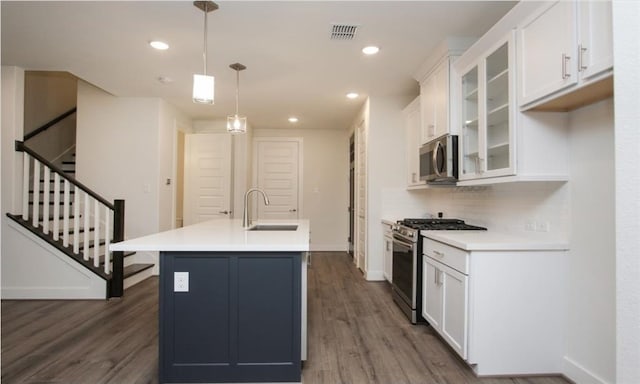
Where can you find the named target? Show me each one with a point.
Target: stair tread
(125, 255)
(133, 269)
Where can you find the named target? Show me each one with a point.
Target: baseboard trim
(54, 293)
(374, 276)
(579, 374)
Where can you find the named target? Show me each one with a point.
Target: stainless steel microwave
(439, 160)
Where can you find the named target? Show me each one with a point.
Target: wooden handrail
(21, 147)
(49, 124)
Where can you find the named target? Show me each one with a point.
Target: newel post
(116, 288)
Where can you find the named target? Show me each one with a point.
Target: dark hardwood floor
(356, 335)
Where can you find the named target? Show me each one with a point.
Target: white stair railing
(79, 215)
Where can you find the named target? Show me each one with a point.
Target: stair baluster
(36, 193)
(65, 214)
(76, 220)
(85, 241)
(46, 199)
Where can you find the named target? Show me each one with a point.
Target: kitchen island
(232, 300)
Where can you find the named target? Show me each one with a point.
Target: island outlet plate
(180, 281)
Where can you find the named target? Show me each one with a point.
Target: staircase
(76, 221)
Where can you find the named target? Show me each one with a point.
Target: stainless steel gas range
(407, 259)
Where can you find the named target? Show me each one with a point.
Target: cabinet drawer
(446, 254)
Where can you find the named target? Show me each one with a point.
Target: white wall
(117, 153)
(386, 170)
(325, 187)
(124, 146)
(590, 354)
(33, 269)
(47, 96)
(12, 129)
(626, 55)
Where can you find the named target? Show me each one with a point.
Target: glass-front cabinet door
(470, 122)
(488, 99)
(497, 109)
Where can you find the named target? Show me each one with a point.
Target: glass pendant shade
(203, 89)
(236, 124)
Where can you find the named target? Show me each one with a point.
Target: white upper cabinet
(412, 125)
(562, 48)
(434, 100)
(499, 143)
(486, 105)
(595, 38)
(438, 94)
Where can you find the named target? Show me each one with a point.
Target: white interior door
(207, 189)
(277, 170)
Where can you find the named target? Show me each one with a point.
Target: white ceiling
(293, 68)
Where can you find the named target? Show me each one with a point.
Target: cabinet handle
(438, 277)
(432, 130)
(438, 253)
(565, 59)
(581, 51)
(413, 177)
(293, 210)
(225, 212)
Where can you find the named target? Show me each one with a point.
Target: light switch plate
(180, 281)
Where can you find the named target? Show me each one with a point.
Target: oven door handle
(404, 243)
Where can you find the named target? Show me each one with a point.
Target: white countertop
(493, 241)
(222, 235)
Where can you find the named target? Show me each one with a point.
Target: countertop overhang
(222, 235)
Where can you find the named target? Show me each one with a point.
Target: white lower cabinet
(387, 250)
(444, 302)
(499, 309)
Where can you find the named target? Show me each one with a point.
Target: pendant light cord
(237, 90)
(204, 47)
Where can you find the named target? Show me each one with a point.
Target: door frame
(184, 128)
(254, 170)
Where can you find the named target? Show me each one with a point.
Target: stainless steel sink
(274, 227)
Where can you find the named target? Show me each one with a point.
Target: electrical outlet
(542, 226)
(180, 281)
(529, 225)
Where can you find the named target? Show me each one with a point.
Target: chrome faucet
(245, 213)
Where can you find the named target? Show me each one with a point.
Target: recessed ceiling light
(293, 119)
(352, 95)
(370, 50)
(160, 45)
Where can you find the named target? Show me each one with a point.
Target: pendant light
(237, 123)
(203, 85)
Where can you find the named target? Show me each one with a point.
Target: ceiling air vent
(343, 31)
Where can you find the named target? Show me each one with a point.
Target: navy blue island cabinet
(235, 318)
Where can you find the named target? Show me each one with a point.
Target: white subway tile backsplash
(502, 207)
